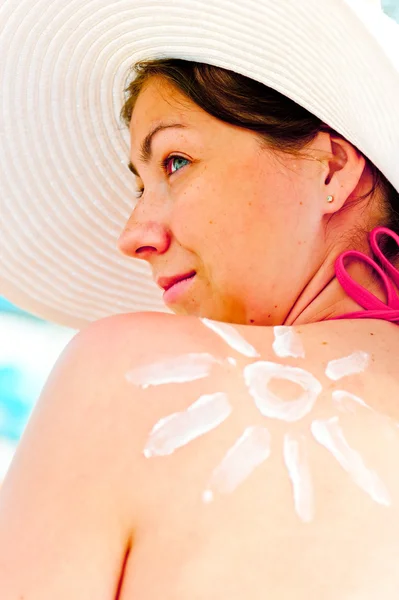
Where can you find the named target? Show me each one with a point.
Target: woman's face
(243, 218)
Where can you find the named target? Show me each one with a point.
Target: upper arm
(64, 523)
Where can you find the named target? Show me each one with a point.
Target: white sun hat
(66, 191)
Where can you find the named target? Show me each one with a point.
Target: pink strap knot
(374, 308)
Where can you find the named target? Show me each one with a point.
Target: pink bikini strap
(362, 296)
(389, 267)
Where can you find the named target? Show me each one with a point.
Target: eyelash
(164, 165)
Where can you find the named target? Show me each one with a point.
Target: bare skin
(85, 514)
(102, 521)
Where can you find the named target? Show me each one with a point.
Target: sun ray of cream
(329, 434)
(348, 402)
(348, 365)
(178, 429)
(175, 369)
(249, 451)
(257, 377)
(287, 342)
(231, 336)
(296, 461)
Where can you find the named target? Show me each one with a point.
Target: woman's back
(257, 538)
(305, 503)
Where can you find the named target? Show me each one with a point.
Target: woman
(248, 445)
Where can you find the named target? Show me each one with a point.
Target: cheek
(236, 208)
(201, 212)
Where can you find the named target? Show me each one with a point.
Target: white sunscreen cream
(348, 402)
(287, 342)
(296, 461)
(257, 377)
(329, 434)
(178, 429)
(349, 365)
(175, 369)
(249, 451)
(231, 336)
(253, 447)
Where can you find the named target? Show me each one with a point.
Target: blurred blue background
(391, 7)
(29, 347)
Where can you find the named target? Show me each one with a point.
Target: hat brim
(67, 191)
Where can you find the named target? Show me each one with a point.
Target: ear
(344, 169)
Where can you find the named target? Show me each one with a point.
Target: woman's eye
(171, 164)
(174, 163)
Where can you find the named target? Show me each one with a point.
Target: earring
(330, 199)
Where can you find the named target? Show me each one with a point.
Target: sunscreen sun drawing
(253, 447)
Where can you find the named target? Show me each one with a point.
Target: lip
(167, 282)
(173, 293)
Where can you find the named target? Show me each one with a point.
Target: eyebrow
(146, 146)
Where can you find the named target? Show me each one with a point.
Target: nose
(144, 239)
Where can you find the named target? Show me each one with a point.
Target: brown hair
(281, 123)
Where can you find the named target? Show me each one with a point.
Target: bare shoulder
(359, 358)
(314, 345)
(363, 354)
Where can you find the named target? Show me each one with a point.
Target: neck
(323, 297)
